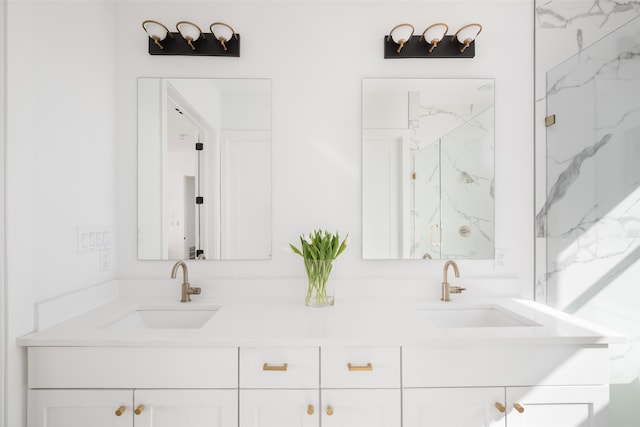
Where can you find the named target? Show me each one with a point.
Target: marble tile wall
(467, 189)
(454, 178)
(578, 71)
(587, 174)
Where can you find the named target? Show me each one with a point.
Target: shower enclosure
(590, 220)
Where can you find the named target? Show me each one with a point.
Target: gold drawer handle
(139, 409)
(310, 410)
(267, 367)
(329, 410)
(367, 367)
(120, 410)
(518, 407)
(500, 407)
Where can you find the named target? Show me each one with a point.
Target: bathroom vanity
(140, 361)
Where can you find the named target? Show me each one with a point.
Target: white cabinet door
(454, 407)
(562, 406)
(361, 407)
(80, 408)
(279, 408)
(185, 408)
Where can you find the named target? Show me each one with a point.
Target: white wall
(317, 74)
(60, 164)
(3, 251)
(151, 140)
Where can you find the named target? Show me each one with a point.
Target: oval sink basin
(473, 317)
(165, 318)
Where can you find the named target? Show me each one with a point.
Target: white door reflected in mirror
(204, 168)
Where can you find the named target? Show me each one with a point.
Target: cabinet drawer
(279, 367)
(510, 365)
(360, 367)
(131, 367)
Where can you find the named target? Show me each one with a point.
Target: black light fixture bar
(416, 48)
(204, 46)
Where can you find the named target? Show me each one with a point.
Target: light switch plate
(94, 238)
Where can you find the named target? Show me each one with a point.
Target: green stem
(318, 272)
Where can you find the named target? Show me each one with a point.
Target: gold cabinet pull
(518, 407)
(329, 410)
(500, 407)
(310, 410)
(267, 367)
(550, 120)
(367, 367)
(139, 409)
(120, 410)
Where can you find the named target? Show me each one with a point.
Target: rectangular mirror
(428, 168)
(204, 168)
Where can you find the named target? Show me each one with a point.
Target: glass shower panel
(452, 182)
(592, 212)
(592, 209)
(467, 183)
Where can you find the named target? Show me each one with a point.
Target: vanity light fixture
(190, 40)
(156, 31)
(400, 42)
(400, 34)
(434, 34)
(190, 32)
(467, 34)
(223, 33)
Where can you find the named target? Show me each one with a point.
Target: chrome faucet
(187, 290)
(446, 288)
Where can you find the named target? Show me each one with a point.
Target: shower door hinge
(199, 200)
(199, 146)
(550, 120)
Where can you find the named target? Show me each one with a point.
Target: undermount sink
(473, 317)
(165, 318)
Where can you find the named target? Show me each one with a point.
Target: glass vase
(319, 291)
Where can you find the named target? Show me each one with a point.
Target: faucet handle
(456, 289)
(187, 291)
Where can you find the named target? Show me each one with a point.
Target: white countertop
(352, 322)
